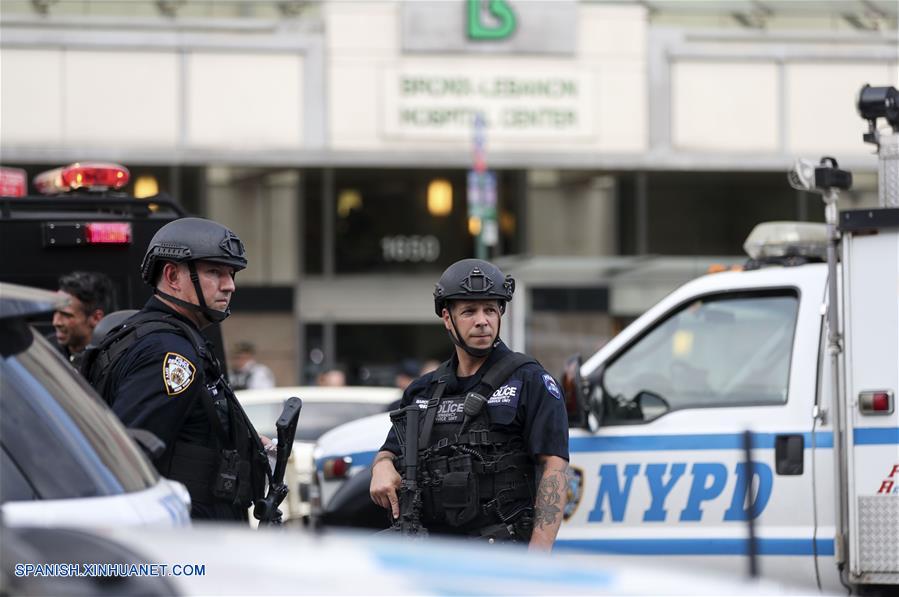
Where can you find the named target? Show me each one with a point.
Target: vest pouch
(431, 472)
(459, 493)
(226, 482)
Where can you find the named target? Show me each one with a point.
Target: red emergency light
(13, 182)
(108, 233)
(92, 176)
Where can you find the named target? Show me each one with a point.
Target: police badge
(575, 491)
(177, 373)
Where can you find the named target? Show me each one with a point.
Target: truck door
(665, 474)
(871, 364)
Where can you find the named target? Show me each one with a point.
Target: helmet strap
(211, 315)
(477, 353)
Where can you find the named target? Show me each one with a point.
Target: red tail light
(877, 402)
(337, 468)
(108, 233)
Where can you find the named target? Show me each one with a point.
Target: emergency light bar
(787, 239)
(92, 176)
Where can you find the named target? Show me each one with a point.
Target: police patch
(177, 373)
(506, 395)
(552, 386)
(575, 491)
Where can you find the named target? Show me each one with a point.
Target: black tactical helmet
(189, 240)
(473, 279)
(192, 239)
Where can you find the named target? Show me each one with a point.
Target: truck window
(728, 350)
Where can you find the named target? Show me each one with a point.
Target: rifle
(266, 510)
(409, 521)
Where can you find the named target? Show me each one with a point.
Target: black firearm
(266, 510)
(409, 521)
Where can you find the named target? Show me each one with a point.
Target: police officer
(160, 374)
(493, 431)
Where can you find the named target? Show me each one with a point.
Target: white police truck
(749, 413)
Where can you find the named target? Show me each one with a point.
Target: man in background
(90, 297)
(334, 378)
(249, 374)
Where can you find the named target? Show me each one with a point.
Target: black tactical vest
(471, 477)
(234, 469)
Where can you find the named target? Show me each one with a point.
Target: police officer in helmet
(160, 374)
(493, 431)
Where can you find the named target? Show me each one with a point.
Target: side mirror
(575, 392)
(595, 400)
(651, 405)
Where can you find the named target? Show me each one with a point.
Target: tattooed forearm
(549, 502)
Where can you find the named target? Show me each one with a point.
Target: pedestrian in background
(407, 372)
(332, 377)
(90, 297)
(247, 372)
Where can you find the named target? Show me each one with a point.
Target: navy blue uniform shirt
(155, 385)
(528, 404)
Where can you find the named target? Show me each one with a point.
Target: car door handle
(789, 454)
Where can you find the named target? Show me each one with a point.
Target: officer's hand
(384, 483)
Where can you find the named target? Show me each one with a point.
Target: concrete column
(571, 215)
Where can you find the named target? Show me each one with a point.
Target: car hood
(237, 560)
(361, 435)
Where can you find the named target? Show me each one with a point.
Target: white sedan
(65, 459)
(323, 409)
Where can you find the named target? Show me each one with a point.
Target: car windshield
(55, 429)
(315, 419)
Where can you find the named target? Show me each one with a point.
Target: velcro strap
(492, 491)
(483, 437)
(502, 369)
(442, 375)
(509, 462)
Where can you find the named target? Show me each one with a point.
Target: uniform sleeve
(546, 422)
(159, 379)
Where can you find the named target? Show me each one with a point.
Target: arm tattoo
(547, 506)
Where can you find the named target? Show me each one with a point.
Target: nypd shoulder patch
(177, 373)
(551, 386)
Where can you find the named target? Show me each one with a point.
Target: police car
(232, 560)
(658, 463)
(66, 460)
(323, 409)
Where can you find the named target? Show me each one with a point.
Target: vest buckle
(479, 437)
